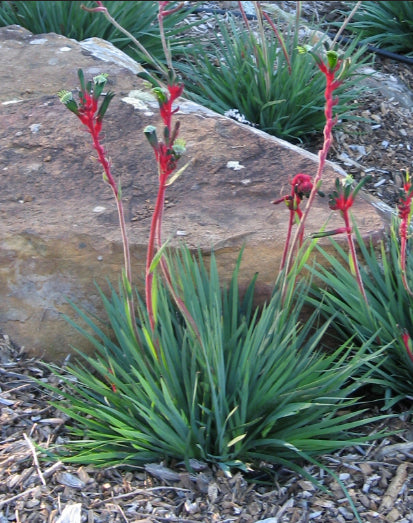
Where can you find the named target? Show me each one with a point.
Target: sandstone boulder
(58, 228)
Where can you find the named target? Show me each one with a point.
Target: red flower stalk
(342, 200)
(301, 186)
(162, 12)
(407, 341)
(330, 68)
(91, 115)
(405, 214)
(167, 154)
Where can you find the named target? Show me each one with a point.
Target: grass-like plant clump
(246, 386)
(386, 25)
(267, 78)
(386, 311)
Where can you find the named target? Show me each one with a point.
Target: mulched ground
(378, 477)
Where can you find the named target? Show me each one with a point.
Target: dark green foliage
(388, 25)
(248, 386)
(239, 72)
(389, 311)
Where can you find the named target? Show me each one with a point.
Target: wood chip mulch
(378, 477)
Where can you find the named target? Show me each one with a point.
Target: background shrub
(387, 25)
(235, 70)
(282, 96)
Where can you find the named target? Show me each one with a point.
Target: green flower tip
(344, 69)
(179, 147)
(66, 97)
(332, 59)
(303, 49)
(150, 133)
(160, 95)
(100, 79)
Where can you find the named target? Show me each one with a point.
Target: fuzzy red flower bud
(302, 185)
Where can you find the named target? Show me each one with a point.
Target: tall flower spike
(167, 153)
(330, 67)
(405, 214)
(91, 115)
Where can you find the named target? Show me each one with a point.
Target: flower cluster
(168, 151)
(343, 197)
(301, 186)
(88, 110)
(405, 203)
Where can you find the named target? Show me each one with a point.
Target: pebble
(347, 515)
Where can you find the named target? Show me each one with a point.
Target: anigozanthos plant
(91, 114)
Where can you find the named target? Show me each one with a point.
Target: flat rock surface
(59, 230)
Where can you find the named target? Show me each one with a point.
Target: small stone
(69, 480)
(344, 476)
(235, 165)
(35, 127)
(38, 41)
(393, 516)
(191, 508)
(347, 515)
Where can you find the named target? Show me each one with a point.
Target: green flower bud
(150, 133)
(332, 59)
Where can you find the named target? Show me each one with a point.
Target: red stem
(353, 254)
(154, 238)
(280, 40)
(287, 240)
(121, 215)
(403, 253)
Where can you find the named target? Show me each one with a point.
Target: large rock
(58, 229)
